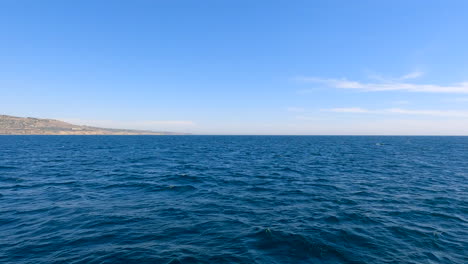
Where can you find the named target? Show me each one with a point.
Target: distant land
(12, 125)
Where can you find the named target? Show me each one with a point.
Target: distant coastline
(13, 125)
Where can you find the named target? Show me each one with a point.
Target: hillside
(11, 125)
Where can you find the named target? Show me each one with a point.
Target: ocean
(233, 199)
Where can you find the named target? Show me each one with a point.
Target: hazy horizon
(239, 68)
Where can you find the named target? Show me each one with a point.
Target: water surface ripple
(233, 199)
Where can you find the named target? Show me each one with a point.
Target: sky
(290, 67)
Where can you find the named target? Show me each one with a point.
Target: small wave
(183, 178)
(258, 189)
(4, 179)
(134, 185)
(3, 167)
(295, 246)
(175, 261)
(180, 188)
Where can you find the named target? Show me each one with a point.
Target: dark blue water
(228, 199)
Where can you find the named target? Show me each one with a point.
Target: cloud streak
(438, 113)
(134, 124)
(459, 100)
(348, 110)
(295, 109)
(390, 85)
(412, 75)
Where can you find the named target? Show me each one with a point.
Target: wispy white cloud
(458, 100)
(309, 118)
(348, 110)
(408, 76)
(295, 109)
(438, 113)
(399, 84)
(134, 124)
(407, 125)
(412, 75)
(401, 102)
(167, 122)
(448, 113)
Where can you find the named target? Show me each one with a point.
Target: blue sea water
(233, 199)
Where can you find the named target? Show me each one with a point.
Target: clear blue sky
(239, 67)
